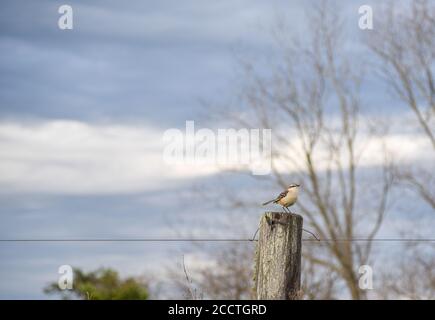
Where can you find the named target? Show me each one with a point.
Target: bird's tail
(270, 201)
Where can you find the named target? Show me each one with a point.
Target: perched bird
(286, 198)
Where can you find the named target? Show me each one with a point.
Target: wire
(374, 240)
(128, 240)
(213, 240)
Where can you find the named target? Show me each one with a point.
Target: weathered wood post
(278, 257)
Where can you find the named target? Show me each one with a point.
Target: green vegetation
(102, 284)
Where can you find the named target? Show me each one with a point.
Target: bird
(286, 198)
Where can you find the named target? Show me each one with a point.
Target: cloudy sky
(82, 113)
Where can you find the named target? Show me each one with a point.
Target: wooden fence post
(278, 257)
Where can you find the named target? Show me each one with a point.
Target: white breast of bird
(290, 198)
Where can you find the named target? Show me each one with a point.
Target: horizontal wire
(216, 240)
(125, 240)
(374, 240)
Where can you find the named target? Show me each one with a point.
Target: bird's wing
(281, 195)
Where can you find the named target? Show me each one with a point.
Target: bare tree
(414, 276)
(229, 272)
(311, 100)
(317, 283)
(310, 96)
(232, 276)
(404, 43)
(226, 275)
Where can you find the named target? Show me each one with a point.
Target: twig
(253, 238)
(189, 282)
(315, 237)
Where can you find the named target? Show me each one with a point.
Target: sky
(83, 111)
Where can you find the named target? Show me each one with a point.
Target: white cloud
(62, 156)
(403, 148)
(75, 157)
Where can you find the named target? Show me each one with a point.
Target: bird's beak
(298, 185)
